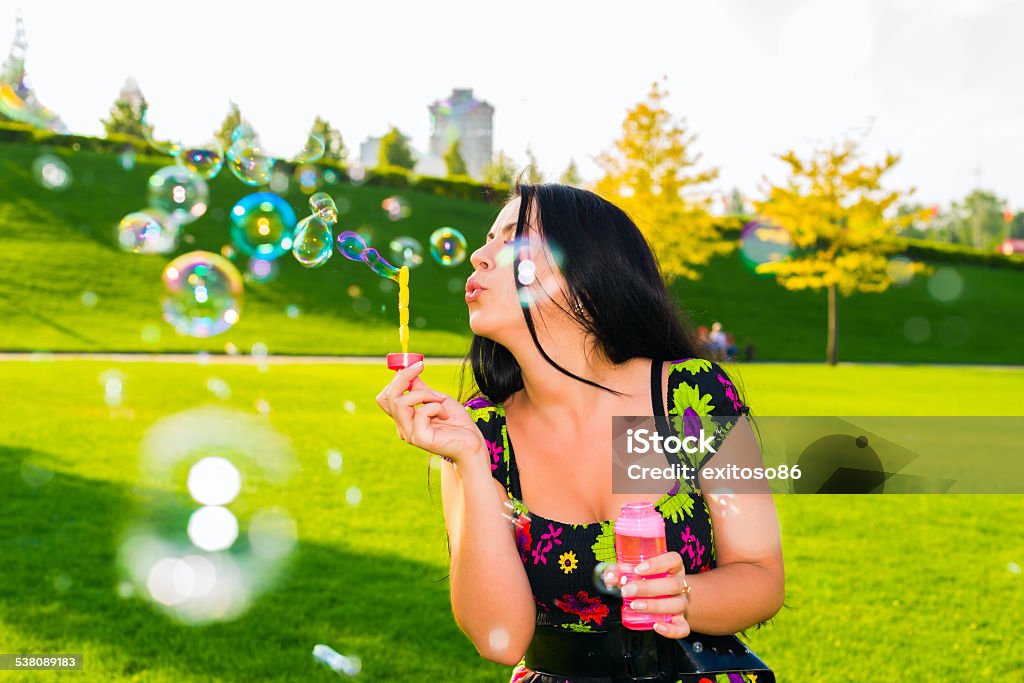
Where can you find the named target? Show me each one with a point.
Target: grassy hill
(59, 245)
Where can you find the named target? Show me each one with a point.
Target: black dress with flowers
(560, 558)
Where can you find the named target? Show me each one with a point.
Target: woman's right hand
(440, 426)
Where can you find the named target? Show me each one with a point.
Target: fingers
(671, 562)
(677, 628)
(668, 585)
(399, 384)
(402, 410)
(421, 420)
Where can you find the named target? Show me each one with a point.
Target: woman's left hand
(672, 585)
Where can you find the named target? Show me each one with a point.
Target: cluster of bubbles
(50, 172)
(196, 560)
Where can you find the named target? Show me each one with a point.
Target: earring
(577, 308)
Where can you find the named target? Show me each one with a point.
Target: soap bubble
(396, 207)
(348, 665)
(248, 162)
(204, 294)
(292, 311)
(243, 131)
(323, 205)
(308, 178)
(89, 298)
(900, 269)
(127, 159)
(378, 264)
(113, 387)
(351, 245)
(763, 243)
(945, 284)
(313, 151)
(406, 252)
(149, 231)
(448, 247)
(214, 481)
(312, 245)
(188, 559)
(353, 495)
(206, 160)
(607, 578)
(182, 194)
(262, 270)
(262, 225)
(51, 172)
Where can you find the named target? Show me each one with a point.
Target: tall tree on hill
(571, 175)
(227, 127)
(334, 146)
(978, 221)
(394, 150)
(840, 223)
(534, 176)
(128, 113)
(500, 169)
(651, 174)
(453, 158)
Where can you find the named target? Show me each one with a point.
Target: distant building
(464, 118)
(368, 151)
(132, 94)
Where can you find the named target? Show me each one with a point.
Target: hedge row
(459, 187)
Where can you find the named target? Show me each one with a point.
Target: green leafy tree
(231, 121)
(839, 220)
(453, 158)
(394, 150)
(534, 176)
(334, 146)
(978, 220)
(1017, 225)
(571, 175)
(500, 169)
(128, 114)
(651, 174)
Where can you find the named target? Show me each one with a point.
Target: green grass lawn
(59, 245)
(879, 587)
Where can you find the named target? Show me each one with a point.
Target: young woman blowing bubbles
(572, 325)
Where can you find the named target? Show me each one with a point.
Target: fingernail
(439, 394)
(638, 605)
(629, 590)
(642, 567)
(660, 628)
(417, 365)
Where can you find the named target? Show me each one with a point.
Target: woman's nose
(479, 259)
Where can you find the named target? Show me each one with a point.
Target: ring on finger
(685, 590)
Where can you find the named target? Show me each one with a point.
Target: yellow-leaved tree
(651, 175)
(840, 223)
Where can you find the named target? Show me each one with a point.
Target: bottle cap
(400, 361)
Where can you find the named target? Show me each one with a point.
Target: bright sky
(938, 81)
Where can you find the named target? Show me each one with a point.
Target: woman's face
(491, 295)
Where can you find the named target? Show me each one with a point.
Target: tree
(453, 157)
(736, 205)
(231, 121)
(978, 221)
(534, 176)
(334, 146)
(838, 220)
(651, 175)
(500, 169)
(1017, 225)
(571, 175)
(128, 114)
(394, 150)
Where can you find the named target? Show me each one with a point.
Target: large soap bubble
(181, 193)
(262, 224)
(204, 294)
(206, 159)
(312, 246)
(448, 246)
(206, 557)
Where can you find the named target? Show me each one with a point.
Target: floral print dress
(560, 558)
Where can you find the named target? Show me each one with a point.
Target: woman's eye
(509, 242)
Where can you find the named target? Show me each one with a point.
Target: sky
(936, 81)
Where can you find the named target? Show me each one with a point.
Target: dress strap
(657, 404)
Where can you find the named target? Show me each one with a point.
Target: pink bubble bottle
(639, 536)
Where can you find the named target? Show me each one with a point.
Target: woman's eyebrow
(502, 228)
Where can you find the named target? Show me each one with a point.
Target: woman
(572, 325)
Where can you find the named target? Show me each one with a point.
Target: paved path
(246, 359)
